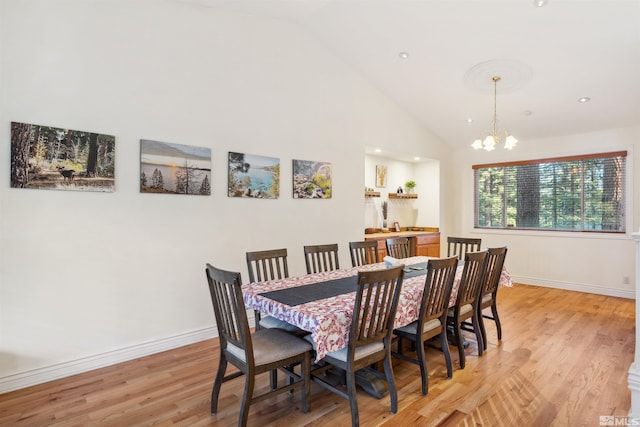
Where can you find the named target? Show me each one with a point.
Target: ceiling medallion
(512, 75)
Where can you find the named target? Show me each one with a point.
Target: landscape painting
(168, 168)
(46, 157)
(254, 176)
(311, 180)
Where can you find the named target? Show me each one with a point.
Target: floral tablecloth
(329, 319)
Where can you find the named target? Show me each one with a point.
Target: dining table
(322, 303)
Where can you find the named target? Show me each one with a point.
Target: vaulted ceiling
(548, 58)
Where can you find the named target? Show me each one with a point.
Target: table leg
(371, 384)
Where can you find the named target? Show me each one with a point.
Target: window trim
(622, 153)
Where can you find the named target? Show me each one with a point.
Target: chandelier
(489, 143)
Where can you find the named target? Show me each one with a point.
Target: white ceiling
(547, 56)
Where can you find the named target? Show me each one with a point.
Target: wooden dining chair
(253, 354)
(459, 246)
(432, 318)
(365, 252)
(319, 258)
(398, 247)
(489, 291)
(269, 265)
(466, 306)
(369, 340)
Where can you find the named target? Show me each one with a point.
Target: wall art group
(46, 157)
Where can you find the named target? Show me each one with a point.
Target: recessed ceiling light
(377, 150)
(584, 99)
(469, 120)
(539, 3)
(403, 55)
(416, 158)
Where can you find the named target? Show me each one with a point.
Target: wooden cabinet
(428, 244)
(423, 243)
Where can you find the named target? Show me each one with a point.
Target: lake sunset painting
(174, 168)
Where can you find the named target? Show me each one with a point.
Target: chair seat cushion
(360, 351)
(271, 345)
(271, 322)
(463, 310)
(486, 298)
(411, 328)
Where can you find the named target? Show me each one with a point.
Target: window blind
(574, 193)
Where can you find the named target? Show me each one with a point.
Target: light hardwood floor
(562, 361)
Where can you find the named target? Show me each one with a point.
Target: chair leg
(478, 332)
(246, 399)
(215, 391)
(447, 354)
(494, 310)
(351, 391)
(393, 394)
(273, 379)
(459, 344)
(483, 332)
(422, 362)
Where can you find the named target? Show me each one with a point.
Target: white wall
(94, 278)
(589, 262)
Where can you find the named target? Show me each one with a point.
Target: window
(578, 193)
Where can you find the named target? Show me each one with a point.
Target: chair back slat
(365, 252)
(267, 265)
(459, 246)
(496, 257)
(228, 306)
(375, 306)
(438, 284)
(319, 258)
(471, 279)
(398, 247)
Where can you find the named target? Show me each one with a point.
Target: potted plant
(410, 185)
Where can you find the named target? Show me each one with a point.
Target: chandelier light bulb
(477, 144)
(489, 143)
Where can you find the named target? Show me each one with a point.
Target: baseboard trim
(579, 287)
(78, 366)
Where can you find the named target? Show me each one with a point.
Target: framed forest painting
(47, 157)
(168, 168)
(311, 180)
(254, 176)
